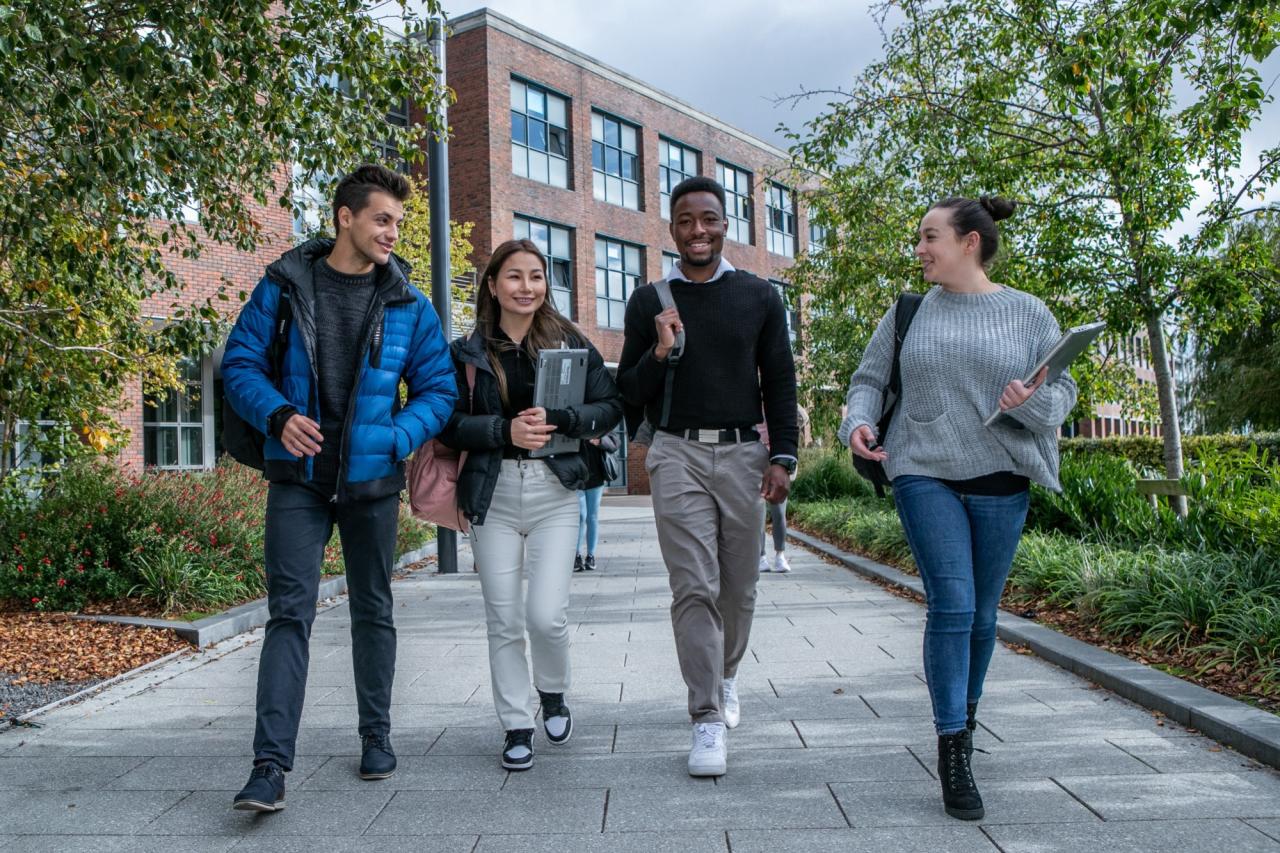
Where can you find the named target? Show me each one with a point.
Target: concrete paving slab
(613, 842)
(720, 808)
(904, 804)
(1164, 836)
(545, 810)
(81, 812)
(952, 839)
(1184, 795)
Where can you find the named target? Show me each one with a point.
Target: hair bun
(999, 208)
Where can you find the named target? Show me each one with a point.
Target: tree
(415, 247)
(1237, 385)
(114, 118)
(1099, 117)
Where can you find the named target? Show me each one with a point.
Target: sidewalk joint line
(987, 835)
(912, 752)
(773, 688)
(993, 734)
(833, 669)
(476, 846)
(868, 704)
(727, 843)
(604, 819)
(832, 792)
(886, 651)
(613, 744)
(855, 628)
(1137, 758)
(436, 740)
(1073, 796)
(1245, 821)
(380, 811)
(803, 742)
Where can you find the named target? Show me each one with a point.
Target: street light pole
(438, 200)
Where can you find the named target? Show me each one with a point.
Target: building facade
(550, 144)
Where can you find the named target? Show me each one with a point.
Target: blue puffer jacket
(402, 340)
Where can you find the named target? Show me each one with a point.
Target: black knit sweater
(342, 309)
(737, 358)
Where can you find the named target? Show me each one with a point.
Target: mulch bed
(1223, 679)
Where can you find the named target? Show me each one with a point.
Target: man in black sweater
(707, 467)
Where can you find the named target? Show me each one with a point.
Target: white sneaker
(709, 756)
(732, 710)
(764, 563)
(780, 564)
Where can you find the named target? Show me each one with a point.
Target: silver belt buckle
(709, 436)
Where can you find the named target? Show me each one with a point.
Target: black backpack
(872, 470)
(243, 441)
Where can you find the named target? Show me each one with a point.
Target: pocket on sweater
(932, 442)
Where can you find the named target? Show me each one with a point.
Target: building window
(787, 295)
(539, 134)
(675, 163)
(384, 149)
(780, 220)
(615, 170)
(618, 269)
(311, 205)
(818, 236)
(555, 242)
(737, 191)
(668, 263)
(177, 424)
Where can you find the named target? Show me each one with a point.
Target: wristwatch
(788, 463)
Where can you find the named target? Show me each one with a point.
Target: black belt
(717, 436)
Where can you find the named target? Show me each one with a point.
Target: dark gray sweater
(342, 306)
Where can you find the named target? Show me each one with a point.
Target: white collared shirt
(677, 275)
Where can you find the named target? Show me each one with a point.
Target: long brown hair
(550, 328)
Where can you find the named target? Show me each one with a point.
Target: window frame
(665, 171)
(780, 241)
(629, 280)
(601, 177)
(738, 223)
(554, 160)
(552, 258)
(179, 426)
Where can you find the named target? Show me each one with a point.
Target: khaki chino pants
(707, 505)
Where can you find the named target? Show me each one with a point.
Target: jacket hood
(298, 265)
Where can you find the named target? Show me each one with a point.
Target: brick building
(546, 143)
(551, 144)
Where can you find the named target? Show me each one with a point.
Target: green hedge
(1220, 607)
(185, 541)
(1148, 451)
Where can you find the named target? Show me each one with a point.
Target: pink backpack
(433, 477)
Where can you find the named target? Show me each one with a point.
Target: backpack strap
(904, 313)
(280, 340)
(663, 288)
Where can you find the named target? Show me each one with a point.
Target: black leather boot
(960, 794)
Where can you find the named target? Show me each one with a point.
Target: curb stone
(1250, 731)
(203, 633)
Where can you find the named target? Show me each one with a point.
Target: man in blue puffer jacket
(336, 440)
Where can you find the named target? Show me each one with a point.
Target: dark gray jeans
(299, 522)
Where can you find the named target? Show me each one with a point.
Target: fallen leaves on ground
(42, 647)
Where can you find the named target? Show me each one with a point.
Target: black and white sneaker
(517, 752)
(557, 722)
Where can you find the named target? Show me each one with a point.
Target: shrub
(827, 474)
(182, 539)
(1148, 451)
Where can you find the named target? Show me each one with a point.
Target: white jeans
(530, 530)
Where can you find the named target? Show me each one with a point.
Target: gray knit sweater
(960, 353)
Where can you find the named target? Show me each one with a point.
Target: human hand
(1015, 393)
(301, 436)
(776, 484)
(667, 323)
(862, 441)
(529, 431)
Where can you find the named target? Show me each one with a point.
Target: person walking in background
(960, 487)
(776, 515)
(707, 468)
(524, 510)
(336, 440)
(589, 513)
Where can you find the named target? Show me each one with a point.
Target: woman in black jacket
(524, 511)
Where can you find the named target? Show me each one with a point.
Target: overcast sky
(734, 59)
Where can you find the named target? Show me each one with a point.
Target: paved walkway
(834, 751)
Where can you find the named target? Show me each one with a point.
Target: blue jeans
(589, 518)
(964, 547)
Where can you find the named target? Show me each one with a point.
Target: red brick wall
(484, 190)
(202, 278)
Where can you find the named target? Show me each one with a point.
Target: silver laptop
(561, 382)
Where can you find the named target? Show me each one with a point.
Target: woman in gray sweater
(961, 488)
